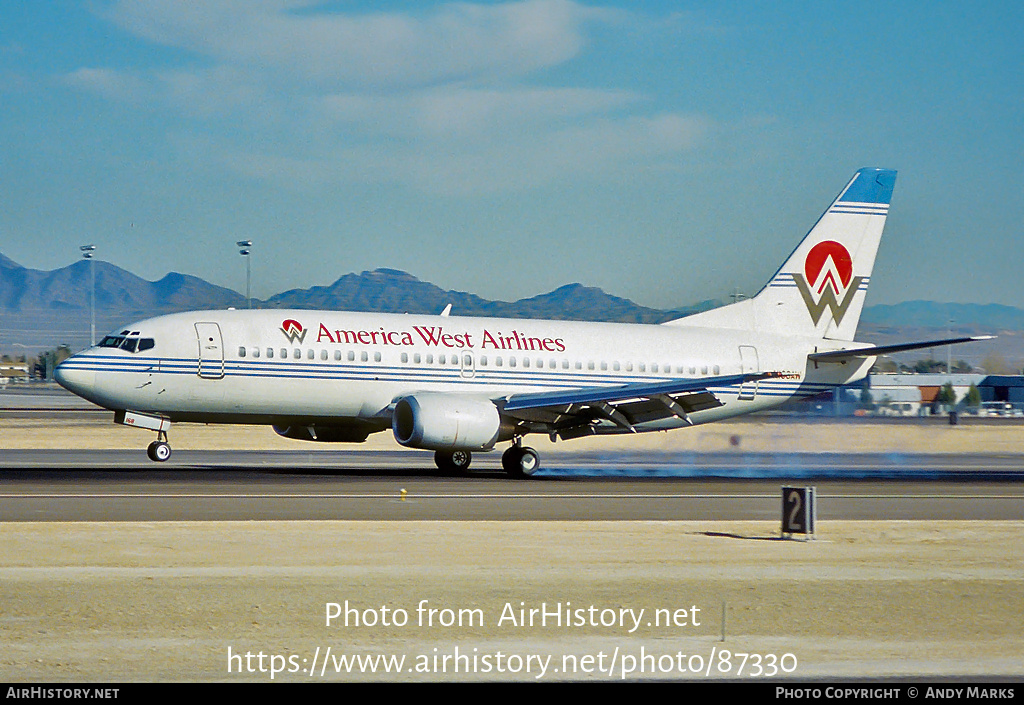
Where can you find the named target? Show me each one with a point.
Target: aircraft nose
(70, 375)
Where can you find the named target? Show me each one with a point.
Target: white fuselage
(303, 367)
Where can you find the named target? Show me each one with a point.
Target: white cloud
(442, 100)
(119, 85)
(596, 149)
(457, 112)
(455, 41)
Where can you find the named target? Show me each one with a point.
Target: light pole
(87, 251)
(949, 348)
(245, 249)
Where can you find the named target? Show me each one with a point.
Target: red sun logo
(293, 330)
(842, 266)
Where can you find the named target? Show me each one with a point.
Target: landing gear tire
(520, 461)
(453, 462)
(159, 451)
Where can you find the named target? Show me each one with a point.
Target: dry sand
(167, 601)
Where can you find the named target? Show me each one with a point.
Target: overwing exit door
(748, 365)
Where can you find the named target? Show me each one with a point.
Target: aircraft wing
(875, 350)
(577, 412)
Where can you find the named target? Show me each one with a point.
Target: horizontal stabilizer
(876, 350)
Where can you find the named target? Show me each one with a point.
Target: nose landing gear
(159, 450)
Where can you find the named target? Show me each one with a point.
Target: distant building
(13, 372)
(919, 390)
(1003, 388)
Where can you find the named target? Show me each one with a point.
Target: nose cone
(73, 375)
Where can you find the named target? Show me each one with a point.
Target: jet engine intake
(446, 422)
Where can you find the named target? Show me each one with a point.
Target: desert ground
(187, 601)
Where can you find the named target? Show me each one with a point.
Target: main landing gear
(159, 450)
(518, 461)
(453, 462)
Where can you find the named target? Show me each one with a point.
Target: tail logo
(828, 281)
(293, 330)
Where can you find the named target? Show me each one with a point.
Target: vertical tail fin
(820, 290)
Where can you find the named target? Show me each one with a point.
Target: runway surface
(96, 485)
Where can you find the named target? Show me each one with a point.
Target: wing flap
(589, 410)
(642, 390)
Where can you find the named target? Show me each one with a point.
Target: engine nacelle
(324, 434)
(446, 422)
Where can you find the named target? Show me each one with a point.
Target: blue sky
(666, 152)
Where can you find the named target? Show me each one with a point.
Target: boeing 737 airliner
(456, 385)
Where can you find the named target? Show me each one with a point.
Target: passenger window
(441, 359)
(323, 354)
(718, 370)
(704, 370)
(337, 355)
(497, 361)
(376, 357)
(615, 366)
(590, 365)
(255, 352)
(579, 365)
(430, 359)
(526, 362)
(310, 355)
(654, 367)
(565, 364)
(642, 367)
(364, 357)
(241, 351)
(511, 362)
(351, 355)
(604, 366)
(284, 353)
(298, 354)
(416, 358)
(270, 352)
(405, 357)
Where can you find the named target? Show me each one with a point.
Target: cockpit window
(132, 345)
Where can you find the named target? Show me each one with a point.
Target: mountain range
(40, 309)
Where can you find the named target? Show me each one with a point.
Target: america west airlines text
(437, 337)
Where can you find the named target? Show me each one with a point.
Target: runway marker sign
(799, 511)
